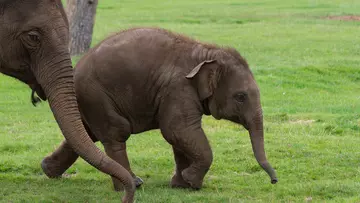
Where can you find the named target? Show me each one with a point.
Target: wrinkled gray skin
(34, 39)
(147, 78)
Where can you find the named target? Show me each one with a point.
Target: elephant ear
(204, 75)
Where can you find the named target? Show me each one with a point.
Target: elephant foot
(178, 182)
(51, 168)
(118, 186)
(192, 179)
(138, 181)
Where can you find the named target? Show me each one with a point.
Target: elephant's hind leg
(61, 159)
(117, 151)
(106, 123)
(113, 130)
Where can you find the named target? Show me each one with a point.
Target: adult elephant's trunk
(56, 79)
(257, 140)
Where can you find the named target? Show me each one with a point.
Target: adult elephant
(34, 37)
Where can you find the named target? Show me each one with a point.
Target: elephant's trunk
(56, 79)
(257, 140)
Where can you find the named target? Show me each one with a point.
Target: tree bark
(81, 15)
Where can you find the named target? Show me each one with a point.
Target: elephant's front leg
(194, 145)
(59, 161)
(117, 151)
(182, 162)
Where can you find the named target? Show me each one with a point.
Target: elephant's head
(33, 42)
(228, 90)
(34, 38)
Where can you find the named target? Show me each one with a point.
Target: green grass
(307, 68)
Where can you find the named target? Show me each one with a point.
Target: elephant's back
(137, 40)
(126, 58)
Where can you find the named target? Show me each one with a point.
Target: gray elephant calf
(148, 78)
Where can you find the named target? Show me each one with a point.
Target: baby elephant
(150, 78)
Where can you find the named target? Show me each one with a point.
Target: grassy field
(308, 70)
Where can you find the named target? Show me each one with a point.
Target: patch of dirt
(302, 122)
(344, 18)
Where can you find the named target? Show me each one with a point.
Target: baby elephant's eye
(34, 36)
(240, 97)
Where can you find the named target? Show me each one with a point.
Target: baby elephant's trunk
(257, 140)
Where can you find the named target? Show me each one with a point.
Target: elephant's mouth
(246, 125)
(205, 105)
(240, 120)
(40, 94)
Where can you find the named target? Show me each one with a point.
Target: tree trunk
(81, 15)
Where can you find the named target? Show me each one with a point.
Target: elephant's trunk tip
(273, 177)
(270, 171)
